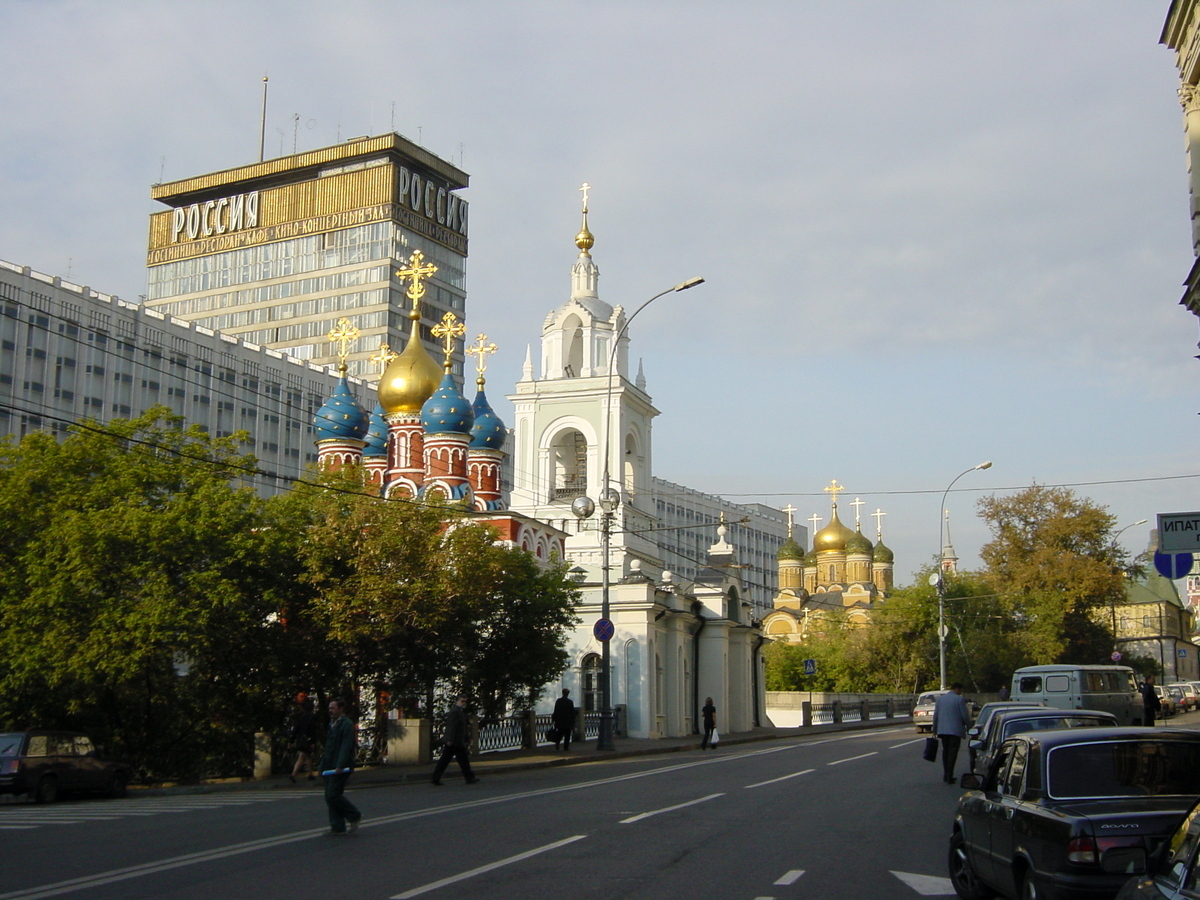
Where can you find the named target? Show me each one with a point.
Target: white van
(1106, 688)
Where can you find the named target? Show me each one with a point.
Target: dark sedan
(1071, 813)
(47, 764)
(1006, 723)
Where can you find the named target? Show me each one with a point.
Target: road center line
(907, 743)
(463, 876)
(781, 778)
(790, 877)
(838, 762)
(647, 815)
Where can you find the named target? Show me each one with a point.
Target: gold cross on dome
(833, 490)
(448, 330)
(415, 271)
(385, 355)
(343, 334)
(584, 188)
(481, 349)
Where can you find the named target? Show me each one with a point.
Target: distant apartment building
(68, 352)
(686, 529)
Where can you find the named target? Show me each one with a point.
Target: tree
(1054, 562)
(129, 550)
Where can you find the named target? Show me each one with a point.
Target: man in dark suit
(563, 718)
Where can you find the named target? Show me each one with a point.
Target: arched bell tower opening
(572, 337)
(568, 462)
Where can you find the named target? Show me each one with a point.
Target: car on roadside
(922, 714)
(978, 731)
(1190, 694)
(49, 764)
(1071, 813)
(1174, 870)
(1168, 705)
(1007, 723)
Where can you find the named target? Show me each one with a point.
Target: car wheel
(962, 875)
(117, 787)
(46, 790)
(1030, 889)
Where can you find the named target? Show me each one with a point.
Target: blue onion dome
(488, 431)
(377, 434)
(341, 417)
(884, 554)
(447, 411)
(858, 544)
(789, 549)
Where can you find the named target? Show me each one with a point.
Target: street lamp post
(610, 500)
(938, 581)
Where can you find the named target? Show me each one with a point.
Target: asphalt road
(856, 814)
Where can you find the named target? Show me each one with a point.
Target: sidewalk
(517, 760)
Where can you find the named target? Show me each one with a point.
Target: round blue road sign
(604, 630)
(1173, 565)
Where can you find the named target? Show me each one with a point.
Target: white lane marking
(791, 877)
(781, 778)
(927, 885)
(838, 762)
(63, 887)
(647, 815)
(907, 743)
(488, 868)
(16, 827)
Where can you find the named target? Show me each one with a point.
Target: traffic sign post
(604, 630)
(1173, 565)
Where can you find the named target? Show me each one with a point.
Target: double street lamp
(610, 500)
(937, 579)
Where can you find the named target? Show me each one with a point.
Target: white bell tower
(560, 424)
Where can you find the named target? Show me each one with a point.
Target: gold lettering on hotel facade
(380, 193)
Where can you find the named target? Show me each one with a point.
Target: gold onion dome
(833, 536)
(585, 240)
(411, 378)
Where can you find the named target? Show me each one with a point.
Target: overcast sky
(933, 233)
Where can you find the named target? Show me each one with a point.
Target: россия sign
(1179, 532)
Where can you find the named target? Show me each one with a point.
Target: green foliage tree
(1054, 562)
(130, 548)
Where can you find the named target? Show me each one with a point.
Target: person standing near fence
(456, 741)
(337, 762)
(563, 719)
(951, 719)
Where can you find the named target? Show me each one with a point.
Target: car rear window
(927, 700)
(1123, 769)
(1021, 726)
(10, 744)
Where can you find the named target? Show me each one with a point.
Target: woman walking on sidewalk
(709, 712)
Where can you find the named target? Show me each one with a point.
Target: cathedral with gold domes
(841, 578)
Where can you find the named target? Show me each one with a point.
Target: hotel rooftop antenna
(262, 132)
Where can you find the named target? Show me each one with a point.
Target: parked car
(922, 714)
(1007, 723)
(1190, 696)
(1174, 870)
(1168, 704)
(1176, 694)
(1106, 688)
(978, 731)
(1072, 812)
(49, 764)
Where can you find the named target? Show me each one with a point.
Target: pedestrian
(337, 762)
(1151, 703)
(303, 737)
(709, 714)
(563, 719)
(455, 742)
(1004, 692)
(951, 719)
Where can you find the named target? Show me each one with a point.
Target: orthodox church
(672, 644)
(843, 576)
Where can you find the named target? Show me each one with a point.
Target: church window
(568, 456)
(573, 347)
(832, 573)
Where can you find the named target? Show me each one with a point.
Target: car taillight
(1082, 850)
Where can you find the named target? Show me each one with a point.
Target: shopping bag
(931, 747)
(715, 737)
(553, 736)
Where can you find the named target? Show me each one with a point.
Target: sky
(932, 233)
